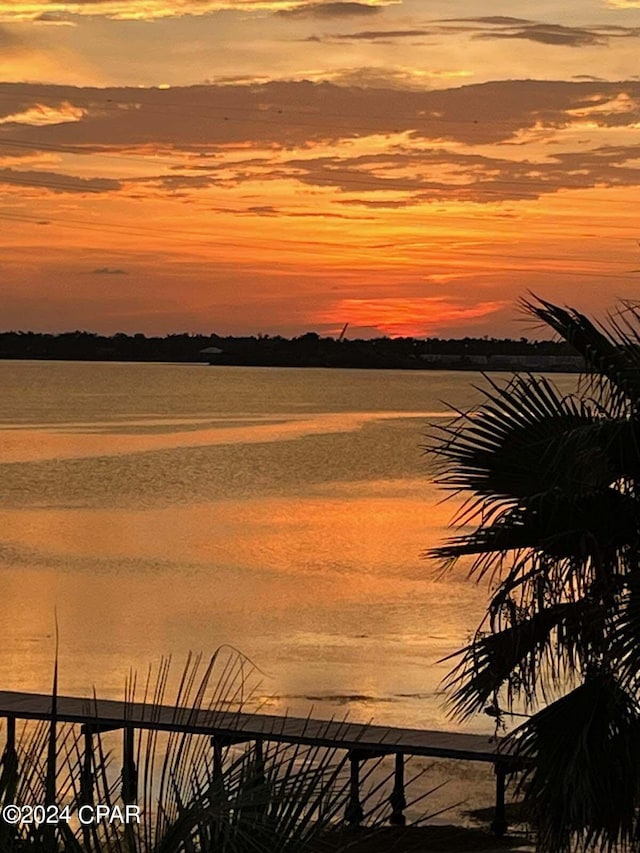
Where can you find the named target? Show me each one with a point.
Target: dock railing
(361, 742)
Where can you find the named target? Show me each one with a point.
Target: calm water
(163, 508)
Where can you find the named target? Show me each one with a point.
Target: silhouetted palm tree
(553, 494)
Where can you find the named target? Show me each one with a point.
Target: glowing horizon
(272, 167)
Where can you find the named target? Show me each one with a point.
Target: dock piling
(353, 813)
(9, 776)
(129, 770)
(499, 823)
(260, 778)
(397, 799)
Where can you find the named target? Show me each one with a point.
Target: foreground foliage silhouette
(553, 493)
(277, 799)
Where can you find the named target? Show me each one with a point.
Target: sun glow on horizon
(420, 198)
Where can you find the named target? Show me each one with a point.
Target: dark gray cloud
(485, 178)
(499, 20)
(377, 35)
(554, 34)
(547, 33)
(493, 27)
(57, 182)
(407, 175)
(109, 271)
(330, 10)
(208, 119)
(299, 214)
(379, 204)
(178, 182)
(269, 210)
(211, 120)
(263, 210)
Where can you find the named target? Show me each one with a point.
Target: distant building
(211, 353)
(441, 358)
(556, 363)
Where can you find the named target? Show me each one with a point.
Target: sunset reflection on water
(301, 547)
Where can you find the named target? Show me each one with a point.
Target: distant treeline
(308, 350)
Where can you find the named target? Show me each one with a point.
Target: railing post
(9, 776)
(129, 771)
(397, 799)
(259, 777)
(499, 823)
(217, 794)
(216, 745)
(8, 781)
(10, 745)
(86, 778)
(353, 813)
(86, 781)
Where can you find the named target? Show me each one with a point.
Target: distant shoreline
(508, 367)
(308, 350)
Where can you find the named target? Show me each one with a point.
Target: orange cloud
(40, 115)
(412, 316)
(282, 207)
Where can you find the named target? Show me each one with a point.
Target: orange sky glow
(242, 167)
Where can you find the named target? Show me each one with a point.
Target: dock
(224, 728)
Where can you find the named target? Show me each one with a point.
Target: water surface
(165, 508)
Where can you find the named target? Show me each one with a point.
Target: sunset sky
(411, 167)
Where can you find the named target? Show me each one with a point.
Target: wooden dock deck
(360, 741)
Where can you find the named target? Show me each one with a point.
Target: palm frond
(527, 439)
(613, 357)
(626, 635)
(526, 657)
(559, 525)
(553, 494)
(582, 768)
